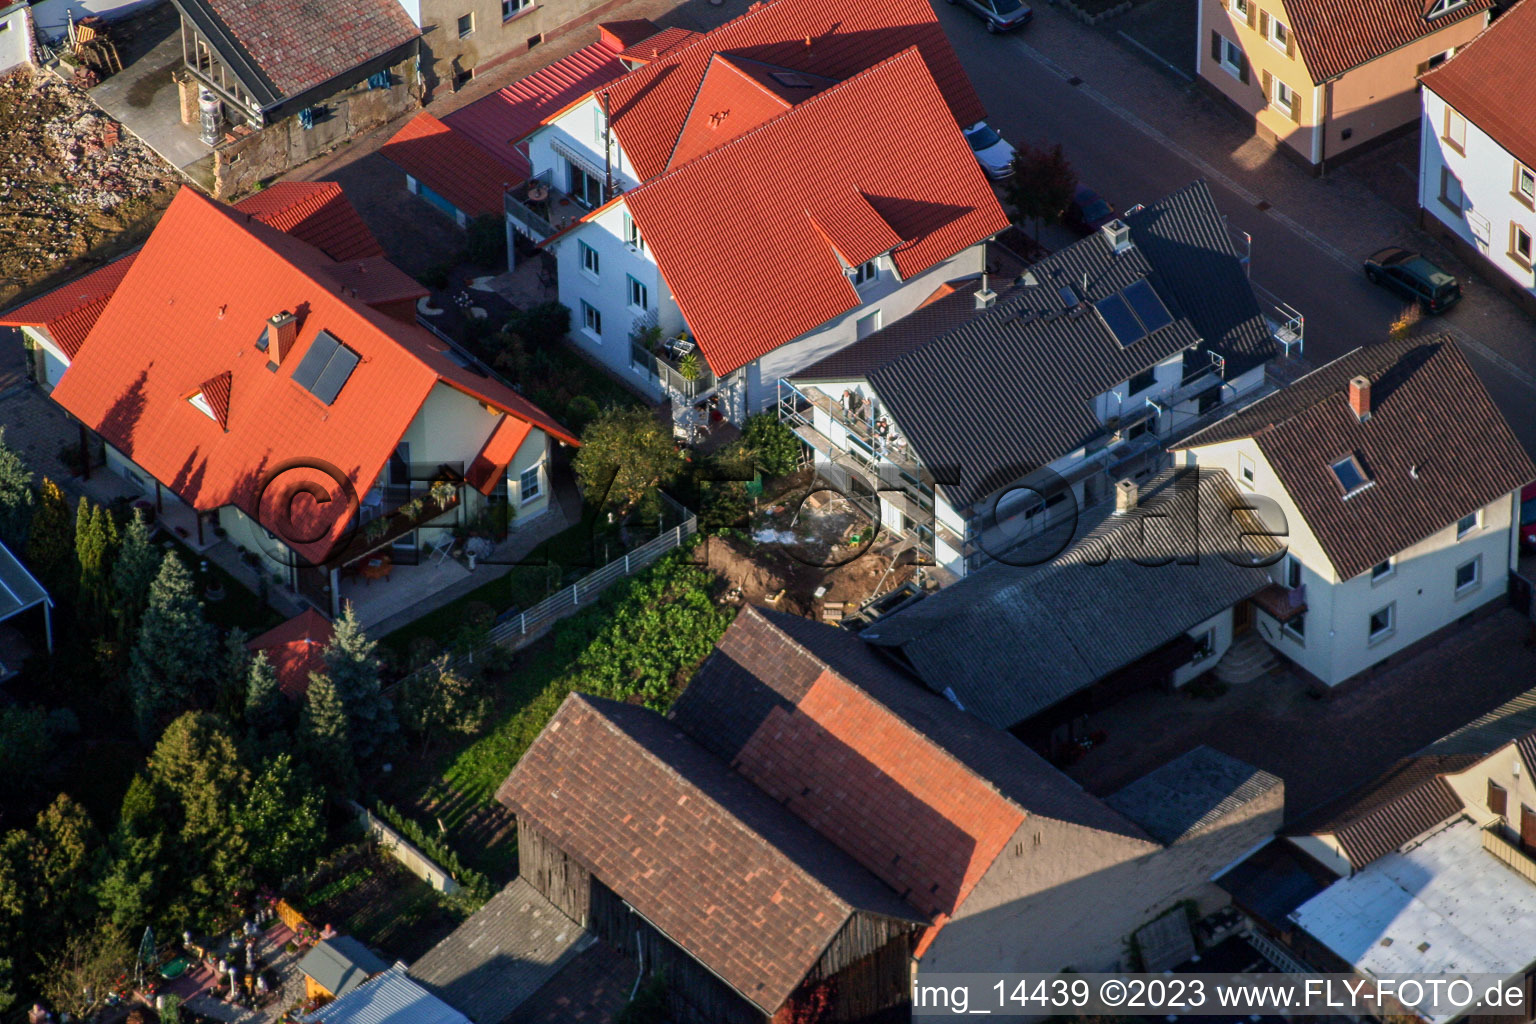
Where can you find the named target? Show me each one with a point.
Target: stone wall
(418, 863)
(242, 162)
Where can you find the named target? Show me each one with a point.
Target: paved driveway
(1321, 747)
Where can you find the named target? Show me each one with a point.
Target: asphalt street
(1134, 134)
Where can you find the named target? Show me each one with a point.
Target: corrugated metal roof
(504, 953)
(1192, 793)
(390, 998)
(1010, 641)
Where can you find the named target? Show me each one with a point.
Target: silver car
(992, 150)
(1000, 15)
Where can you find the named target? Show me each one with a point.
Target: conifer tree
(353, 668)
(172, 657)
(51, 541)
(16, 496)
(325, 735)
(134, 572)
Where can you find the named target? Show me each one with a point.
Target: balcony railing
(538, 210)
(1496, 843)
(874, 447)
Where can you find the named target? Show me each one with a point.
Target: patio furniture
(375, 569)
(443, 548)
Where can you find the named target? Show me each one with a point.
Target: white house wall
(54, 361)
(534, 451)
(577, 129)
(15, 38)
(1487, 175)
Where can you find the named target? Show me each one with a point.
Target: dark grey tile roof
(1011, 390)
(1010, 641)
(1435, 448)
(341, 964)
(1192, 793)
(504, 953)
(768, 659)
(594, 988)
(1513, 720)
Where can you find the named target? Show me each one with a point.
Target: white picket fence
(529, 625)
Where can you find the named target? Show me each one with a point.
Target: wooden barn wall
(872, 988)
(563, 882)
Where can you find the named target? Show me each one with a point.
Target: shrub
(476, 885)
(436, 276)
(775, 447)
(488, 241)
(582, 410)
(542, 325)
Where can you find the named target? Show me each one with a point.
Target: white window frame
(463, 32)
(1277, 88)
(1523, 176)
(1376, 636)
(1279, 34)
(1207, 641)
(1246, 471)
(1240, 8)
(632, 236)
(1293, 567)
(870, 317)
(1476, 580)
(866, 272)
(591, 320)
(1231, 57)
(1385, 574)
(1289, 628)
(636, 288)
(591, 261)
(523, 497)
(200, 403)
(512, 8)
(1463, 527)
(1443, 7)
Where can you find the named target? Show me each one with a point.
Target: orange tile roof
(492, 460)
(296, 648)
(1489, 81)
(208, 279)
(656, 46)
(453, 165)
(316, 211)
(733, 99)
(215, 392)
(800, 188)
(831, 38)
(1335, 36)
(616, 35)
(375, 281)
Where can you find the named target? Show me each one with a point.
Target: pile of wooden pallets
(832, 612)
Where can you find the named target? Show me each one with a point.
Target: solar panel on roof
(1120, 320)
(335, 374)
(310, 367)
(1148, 306)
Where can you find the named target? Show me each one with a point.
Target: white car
(992, 150)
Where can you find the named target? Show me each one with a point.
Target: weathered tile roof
(849, 743)
(1489, 81)
(830, 38)
(593, 988)
(1337, 35)
(740, 883)
(1010, 641)
(782, 183)
(1192, 793)
(504, 953)
(1435, 448)
(296, 45)
(449, 163)
(1373, 820)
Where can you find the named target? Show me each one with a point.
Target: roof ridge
(1470, 43)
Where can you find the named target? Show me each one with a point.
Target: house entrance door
(1242, 618)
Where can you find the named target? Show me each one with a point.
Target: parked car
(1088, 211)
(1413, 277)
(1528, 519)
(992, 151)
(1000, 15)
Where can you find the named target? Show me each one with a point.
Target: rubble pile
(71, 178)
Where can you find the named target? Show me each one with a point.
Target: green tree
(197, 766)
(625, 455)
(79, 979)
(325, 736)
(233, 677)
(138, 562)
(16, 497)
(1042, 184)
(282, 820)
(26, 743)
(96, 543)
(352, 664)
(51, 541)
(266, 709)
(171, 659)
(774, 448)
(130, 886)
(444, 700)
(61, 865)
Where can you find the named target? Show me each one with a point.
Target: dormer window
(1440, 7)
(200, 403)
(866, 272)
(1351, 475)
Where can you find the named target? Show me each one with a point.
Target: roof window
(1351, 475)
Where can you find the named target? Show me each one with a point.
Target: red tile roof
(215, 391)
(616, 35)
(375, 281)
(1489, 82)
(738, 882)
(316, 211)
(1337, 35)
(736, 96)
(453, 165)
(498, 122)
(301, 45)
(208, 279)
(490, 463)
(831, 38)
(656, 46)
(296, 648)
(799, 181)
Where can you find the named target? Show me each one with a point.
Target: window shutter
(1253, 13)
(1267, 83)
(1242, 68)
(1216, 46)
(1527, 828)
(1264, 24)
(1496, 798)
(1295, 110)
(1290, 44)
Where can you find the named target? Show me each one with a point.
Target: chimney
(1119, 235)
(1360, 398)
(1126, 495)
(985, 296)
(282, 332)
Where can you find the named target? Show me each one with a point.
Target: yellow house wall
(1263, 56)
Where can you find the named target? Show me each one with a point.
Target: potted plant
(688, 367)
(442, 492)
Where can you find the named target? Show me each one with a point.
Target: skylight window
(1351, 475)
(325, 367)
(790, 80)
(1069, 299)
(1133, 313)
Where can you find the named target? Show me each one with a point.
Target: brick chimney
(1126, 496)
(1360, 398)
(282, 332)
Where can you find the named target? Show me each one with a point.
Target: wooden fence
(527, 626)
(289, 916)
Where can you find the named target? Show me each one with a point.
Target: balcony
(537, 210)
(1282, 603)
(677, 365)
(1496, 843)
